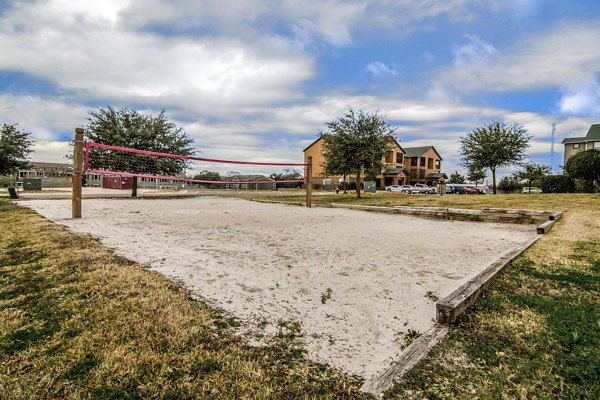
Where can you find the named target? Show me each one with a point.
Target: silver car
(406, 189)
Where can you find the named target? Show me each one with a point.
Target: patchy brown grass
(78, 322)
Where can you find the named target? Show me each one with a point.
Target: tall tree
(476, 175)
(585, 166)
(129, 128)
(494, 145)
(455, 177)
(356, 143)
(532, 172)
(15, 147)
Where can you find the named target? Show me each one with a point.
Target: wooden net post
(309, 182)
(77, 172)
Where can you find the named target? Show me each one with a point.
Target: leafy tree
(494, 145)
(15, 147)
(509, 184)
(557, 184)
(455, 177)
(585, 166)
(532, 172)
(206, 175)
(476, 175)
(356, 143)
(287, 174)
(129, 128)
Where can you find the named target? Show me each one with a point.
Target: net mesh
(148, 165)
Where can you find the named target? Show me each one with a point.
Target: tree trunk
(494, 179)
(134, 187)
(344, 184)
(358, 185)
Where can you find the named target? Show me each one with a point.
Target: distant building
(576, 144)
(402, 166)
(251, 182)
(424, 165)
(51, 174)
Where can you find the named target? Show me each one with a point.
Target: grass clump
(76, 321)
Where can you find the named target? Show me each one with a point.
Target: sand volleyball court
(356, 281)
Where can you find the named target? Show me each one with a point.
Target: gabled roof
(395, 171)
(436, 175)
(49, 165)
(592, 135)
(573, 140)
(319, 138)
(419, 151)
(246, 178)
(311, 145)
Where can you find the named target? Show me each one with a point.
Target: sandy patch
(268, 262)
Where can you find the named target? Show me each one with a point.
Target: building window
(575, 145)
(437, 163)
(430, 163)
(399, 158)
(596, 145)
(413, 161)
(422, 161)
(389, 157)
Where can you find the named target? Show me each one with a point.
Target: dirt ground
(356, 281)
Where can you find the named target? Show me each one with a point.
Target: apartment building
(408, 165)
(576, 144)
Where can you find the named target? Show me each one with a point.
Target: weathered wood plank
(409, 358)
(450, 307)
(555, 216)
(545, 227)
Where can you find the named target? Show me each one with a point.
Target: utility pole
(552, 149)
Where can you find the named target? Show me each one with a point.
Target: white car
(425, 189)
(532, 190)
(406, 189)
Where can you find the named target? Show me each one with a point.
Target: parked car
(406, 189)
(424, 188)
(455, 189)
(393, 188)
(532, 190)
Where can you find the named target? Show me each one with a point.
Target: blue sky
(256, 80)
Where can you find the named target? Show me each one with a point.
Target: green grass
(78, 322)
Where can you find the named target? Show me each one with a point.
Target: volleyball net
(156, 167)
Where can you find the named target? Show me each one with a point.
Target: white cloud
(102, 59)
(582, 99)
(556, 58)
(519, 9)
(50, 151)
(45, 118)
(330, 21)
(379, 69)
(475, 52)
